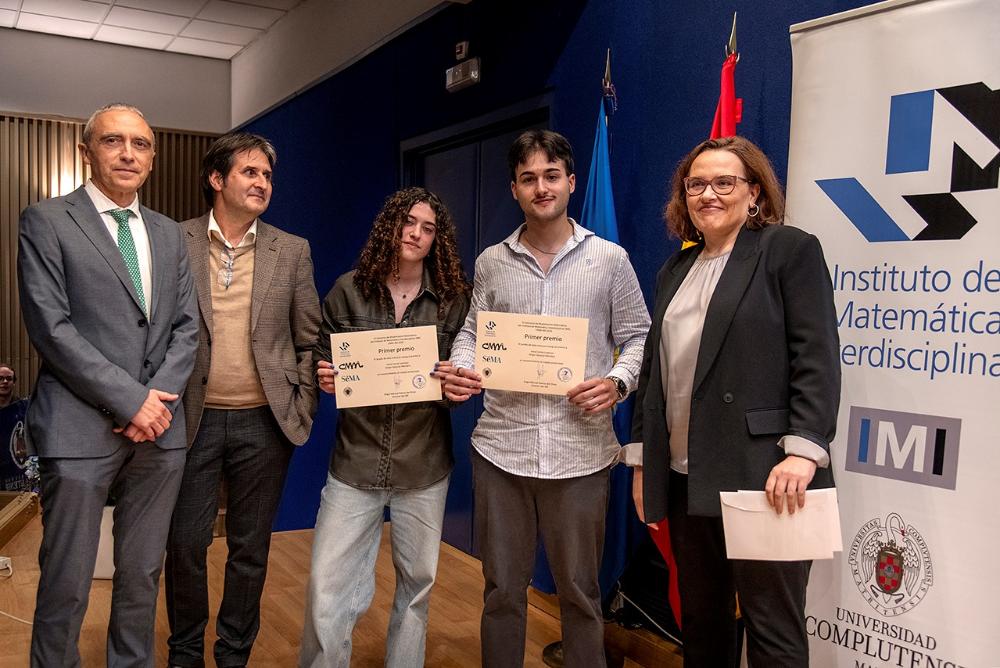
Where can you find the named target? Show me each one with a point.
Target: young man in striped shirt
(541, 462)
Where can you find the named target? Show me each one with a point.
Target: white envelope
(755, 531)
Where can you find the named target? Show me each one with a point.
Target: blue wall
(338, 143)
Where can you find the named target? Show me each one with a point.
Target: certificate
(543, 354)
(385, 366)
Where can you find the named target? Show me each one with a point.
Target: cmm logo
(908, 151)
(912, 447)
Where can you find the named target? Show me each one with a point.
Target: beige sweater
(232, 379)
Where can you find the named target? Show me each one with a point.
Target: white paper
(755, 531)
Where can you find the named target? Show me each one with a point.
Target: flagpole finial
(731, 46)
(607, 69)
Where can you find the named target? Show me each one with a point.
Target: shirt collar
(579, 234)
(248, 239)
(428, 283)
(104, 204)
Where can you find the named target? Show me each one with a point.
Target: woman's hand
(787, 483)
(325, 376)
(457, 383)
(637, 496)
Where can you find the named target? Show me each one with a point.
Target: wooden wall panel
(39, 159)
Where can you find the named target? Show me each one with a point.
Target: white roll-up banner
(893, 163)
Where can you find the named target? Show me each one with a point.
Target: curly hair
(758, 171)
(379, 258)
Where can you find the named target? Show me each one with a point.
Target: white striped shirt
(541, 435)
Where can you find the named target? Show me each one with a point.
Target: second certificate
(543, 354)
(385, 366)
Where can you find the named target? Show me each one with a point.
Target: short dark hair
(758, 171)
(555, 146)
(220, 157)
(4, 365)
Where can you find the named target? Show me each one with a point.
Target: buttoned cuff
(630, 454)
(803, 447)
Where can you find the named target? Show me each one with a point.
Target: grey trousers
(510, 513)
(144, 480)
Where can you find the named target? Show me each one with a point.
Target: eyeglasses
(6, 379)
(225, 275)
(721, 185)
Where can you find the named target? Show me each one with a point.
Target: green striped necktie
(126, 244)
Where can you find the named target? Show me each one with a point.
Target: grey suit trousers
(511, 513)
(144, 479)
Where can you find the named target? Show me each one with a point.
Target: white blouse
(680, 339)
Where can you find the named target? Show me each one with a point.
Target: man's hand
(152, 419)
(326, 376)
(132, 433)
(457, 383)
(788, 482)
(594, 395)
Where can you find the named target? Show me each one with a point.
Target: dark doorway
(466, 166)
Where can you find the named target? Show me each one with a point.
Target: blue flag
(599, 202)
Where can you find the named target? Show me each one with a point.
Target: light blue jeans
(342, 577)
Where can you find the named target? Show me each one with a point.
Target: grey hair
(88, 129)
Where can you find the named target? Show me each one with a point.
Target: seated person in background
(18, 471)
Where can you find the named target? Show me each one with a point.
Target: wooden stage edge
(453, 627)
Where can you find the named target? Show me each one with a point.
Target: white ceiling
(211, 28)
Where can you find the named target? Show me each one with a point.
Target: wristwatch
(619, 386)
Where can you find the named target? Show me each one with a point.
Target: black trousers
(248, 448)
(772, 595)
(511, 512)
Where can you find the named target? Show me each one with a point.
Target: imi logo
(921, 449)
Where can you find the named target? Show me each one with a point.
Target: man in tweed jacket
(250, 399)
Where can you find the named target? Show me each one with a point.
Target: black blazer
(768, 365)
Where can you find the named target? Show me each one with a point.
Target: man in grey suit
(109, 304)
(249, 402)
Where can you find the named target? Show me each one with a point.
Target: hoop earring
(753, 211)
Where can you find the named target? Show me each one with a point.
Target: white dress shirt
(213, 228)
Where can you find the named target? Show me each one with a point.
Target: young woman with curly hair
(408, 275)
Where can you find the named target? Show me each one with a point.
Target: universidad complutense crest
(891, 565)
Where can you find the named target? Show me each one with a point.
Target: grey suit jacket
(284, 323)
(100, 353)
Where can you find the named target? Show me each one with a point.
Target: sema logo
(908, 151)
(921, 449)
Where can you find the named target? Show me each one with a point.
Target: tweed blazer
(284, 322)
(768, 365)
(100, 352)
